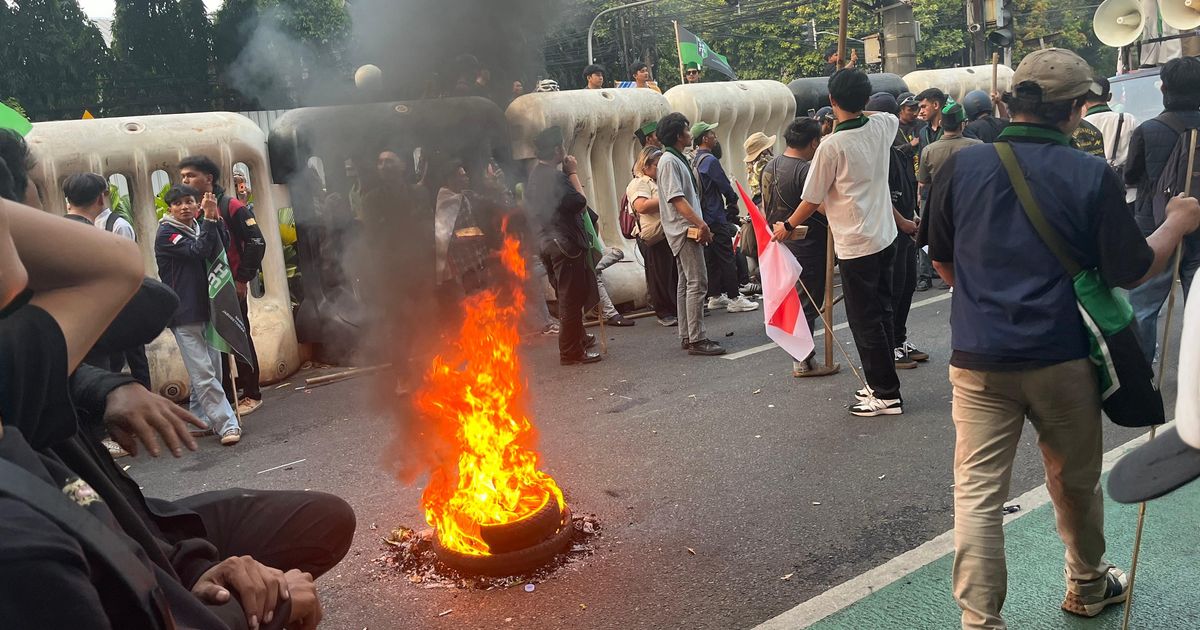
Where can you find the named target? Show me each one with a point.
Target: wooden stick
(317, 381)
(995, 70)
(1162, 368)
(233, 383)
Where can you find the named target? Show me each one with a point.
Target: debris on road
(787, 577)
(757, 436)
(583, 606)
(282, 466)
(757, 391)
(445, 612)
(770, 406)
(882, 476)
(816, 503)
(691, 551)
(282, 385)
(529, 588)
(318, 381)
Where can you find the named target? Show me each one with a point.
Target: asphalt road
(761, 474)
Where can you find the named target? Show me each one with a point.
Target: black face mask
(717, 151)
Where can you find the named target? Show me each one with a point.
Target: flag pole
(679, 52)
(233, 374)
(827, 315)
(1162, 368)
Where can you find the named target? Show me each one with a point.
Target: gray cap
(1061, 74)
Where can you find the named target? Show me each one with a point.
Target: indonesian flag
(780, 271)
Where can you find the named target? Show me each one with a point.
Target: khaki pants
(1063, 403)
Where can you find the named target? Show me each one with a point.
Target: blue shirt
(716, 193)
(1014, 306)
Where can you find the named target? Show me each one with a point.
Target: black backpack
(1174, 177)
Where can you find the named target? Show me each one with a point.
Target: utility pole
(977, 21)
(899, 38)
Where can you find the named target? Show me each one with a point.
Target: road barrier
(138, 147)
(956, 82)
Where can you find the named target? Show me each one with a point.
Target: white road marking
(854, 589)
(842, 326)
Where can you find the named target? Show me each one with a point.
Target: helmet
(976, 102)
(547, 85)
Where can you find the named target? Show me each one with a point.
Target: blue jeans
(1147, 300)
(203, 363)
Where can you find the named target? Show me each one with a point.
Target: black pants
(574, 281)
(662, 276)
(904, 284)
(810, 253)
(285, 530)
(139, 366)
(867, 287)
(720, 263)
(247, 377)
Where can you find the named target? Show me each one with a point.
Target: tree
(54, 58)
(1039, 23)
(162, 50)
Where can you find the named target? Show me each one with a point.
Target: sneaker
(706, 348)
(589, 340)
(231, 437)
(247, 406)
(862, 394)
(585, 358)
(924, 285)
(914, 354)
(941, 285)
(741, 305)
(801, 369)
(750, 288)
(618, 320)
(903, 361)
(1116, 589)
(877, 407)
(550, 329)
(717, 302)
(116, 451)
(684, 344)
(668, 321)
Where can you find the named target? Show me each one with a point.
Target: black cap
(548, 139)
(1154, 469)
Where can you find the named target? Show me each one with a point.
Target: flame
(473, 397)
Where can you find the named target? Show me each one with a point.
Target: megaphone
(1119, 23)
(1181, 14)
(1001, 37)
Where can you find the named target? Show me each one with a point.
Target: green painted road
(1165, 594)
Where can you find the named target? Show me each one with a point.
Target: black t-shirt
(783, 184)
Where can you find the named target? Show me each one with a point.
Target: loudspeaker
(1001, 37)
(1181, 14)
(1119, 23)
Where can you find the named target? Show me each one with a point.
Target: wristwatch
(788, 226)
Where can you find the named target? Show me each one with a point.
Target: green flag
(12, 119)
(693, 49)
(225, 329)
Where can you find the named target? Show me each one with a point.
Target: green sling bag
(1127, 390)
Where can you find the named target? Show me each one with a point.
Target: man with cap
(554, 196)
(1019, 344)
(719, 205)
(647, 136)
(691, 72)
(1117, 129)
(758, 154)
(981, 125)
(593, 75)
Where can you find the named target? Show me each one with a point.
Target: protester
(185, 247)
(691, 72)
(936, 155)
(982, 125)
(461, 242)
(245, 249)
(718, 204)
(121, 560)
(1088, 138)
(1117, 129)
(759, 149)
(662, 277)
(641, 76)
(554, 196)
(931, 102)
(1019, 344)
(832, 59)
(593, 75)
(910, 127)
(1150, 147)
(686, 232)
(518, 89)
(902, 184)
(782, 190)
(849, 177)
(17, 185)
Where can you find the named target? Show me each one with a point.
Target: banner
(12, 119)
(692, 49)
(225, 329)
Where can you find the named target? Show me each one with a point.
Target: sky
(104, 8)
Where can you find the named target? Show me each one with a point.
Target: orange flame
(473, 397)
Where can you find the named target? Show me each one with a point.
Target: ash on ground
(410, 552)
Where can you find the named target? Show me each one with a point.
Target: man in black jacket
(1149, 148)
(245, 251)
(555, 198)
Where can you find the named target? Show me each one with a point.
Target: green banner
(225, 329)
(692, 49)
(12, 119)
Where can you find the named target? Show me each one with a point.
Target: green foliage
(119, 203)
(160, 206)
(162, 50)
(1060, 25)
(53, 58)
(16, 106)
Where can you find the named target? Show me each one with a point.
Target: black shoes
(589, 340)
(705, 348)
(618, 320)
(586, 357)
(924, 284)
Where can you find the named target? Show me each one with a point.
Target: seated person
(80, 546)
(187, 243)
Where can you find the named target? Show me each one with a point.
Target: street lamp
(592, 26)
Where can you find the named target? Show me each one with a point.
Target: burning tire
(513, 562)
(525, 532)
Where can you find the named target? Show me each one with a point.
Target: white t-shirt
(849, 175)
(120, 228)
(1106, 122)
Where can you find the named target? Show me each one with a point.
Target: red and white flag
(779, 271)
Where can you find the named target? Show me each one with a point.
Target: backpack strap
(1172, 120)
(111, 222)
(100, 542)
(1020, 184)
(1117, 140)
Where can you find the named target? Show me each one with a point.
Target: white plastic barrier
(956, 82)
(598, 126)
(740, 108)
(136, 147)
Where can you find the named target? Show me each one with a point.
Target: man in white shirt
(87, 196)
(1117, 129)
(848, 181)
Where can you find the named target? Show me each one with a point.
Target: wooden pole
(233, 383)
(1162, 368)
(679, 53)
(995, 69)
(827, 314)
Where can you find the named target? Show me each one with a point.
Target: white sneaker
(717, 302)
(862, 394)
(741, 305)
(877, 407)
